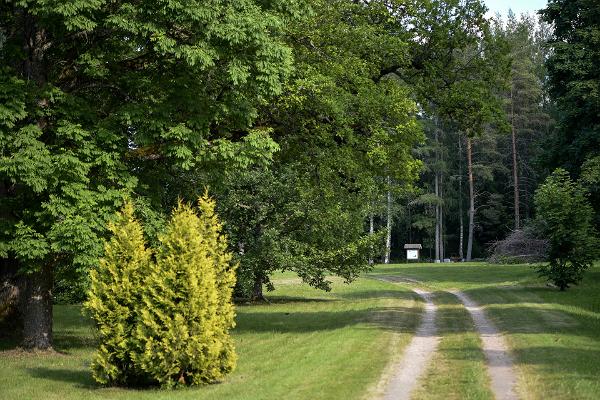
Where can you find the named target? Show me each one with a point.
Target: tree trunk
(257, 289)
(371, 233)
(388, 238)
(515, 166)
(471, 199)
(437, 219)
(37, 308)
(37, 322)
(461, 234)
(441, 201)
(438, 208)
(442, 251)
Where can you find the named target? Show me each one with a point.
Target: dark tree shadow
(80, 378)
(303, 322)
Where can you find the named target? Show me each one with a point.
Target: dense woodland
(329, 132)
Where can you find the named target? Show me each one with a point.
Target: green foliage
(565, 217)
(186, 312)
(590, 179)
(115, 297)
(165, 321)
(339, 127)
(574, 80)
(101, 99)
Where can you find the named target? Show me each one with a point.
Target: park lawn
(554, 336)
(306, 344)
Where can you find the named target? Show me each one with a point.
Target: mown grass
(308, 344)
(554, 336)
(305, 344)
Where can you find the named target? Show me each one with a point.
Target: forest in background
(515, 149)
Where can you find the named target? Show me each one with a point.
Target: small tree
(182, 336)
(114, 298)
(565, 217)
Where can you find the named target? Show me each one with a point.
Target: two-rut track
(409, 370)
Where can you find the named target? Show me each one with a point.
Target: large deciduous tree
(95, 94)
(340, 129)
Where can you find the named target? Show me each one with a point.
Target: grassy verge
(554, 336)
(306, 344)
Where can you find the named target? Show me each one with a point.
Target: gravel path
(499, 361)
(411, 367)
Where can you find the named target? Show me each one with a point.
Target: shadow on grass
(387, 318)
(81, 378)
(379, 294)
(283, 300)
(562, 361)
(66, 342)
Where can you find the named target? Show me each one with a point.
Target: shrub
(186, 313)
(166, 321)
(565, 217)
(114, 299)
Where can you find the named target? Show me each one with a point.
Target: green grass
(554, 336)
(306, 344)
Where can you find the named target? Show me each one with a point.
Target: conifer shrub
(169, 324)
(114, 299)
(186, 314)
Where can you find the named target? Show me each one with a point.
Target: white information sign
(412, 254)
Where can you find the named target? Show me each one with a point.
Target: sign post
(412, 252)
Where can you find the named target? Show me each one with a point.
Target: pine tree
(186, 311)
(114, 297)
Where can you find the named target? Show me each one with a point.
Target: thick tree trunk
(515, 166)
(37, 322)
(388, 238)
(37, 308)
(471, 199)
(461, 234)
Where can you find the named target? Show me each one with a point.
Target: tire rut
(499, 362)
(412, 366)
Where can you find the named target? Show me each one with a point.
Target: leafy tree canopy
(574, 80)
